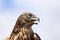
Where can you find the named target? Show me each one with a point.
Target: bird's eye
(30, 15)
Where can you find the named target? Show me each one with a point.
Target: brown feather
(22, 29)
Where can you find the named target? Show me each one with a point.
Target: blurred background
(47, 10)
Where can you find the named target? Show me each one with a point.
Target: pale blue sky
(47, 10)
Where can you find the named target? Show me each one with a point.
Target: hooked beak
(36, 20)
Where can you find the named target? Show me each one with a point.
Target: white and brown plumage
(22, 29)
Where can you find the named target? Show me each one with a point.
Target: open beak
(36, 20)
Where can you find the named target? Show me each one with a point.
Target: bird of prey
(23, 27)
